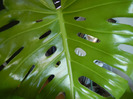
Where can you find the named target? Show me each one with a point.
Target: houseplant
(44, 48)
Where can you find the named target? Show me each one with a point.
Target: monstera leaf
(47, 47)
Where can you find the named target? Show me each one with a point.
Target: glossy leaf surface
(36, 27)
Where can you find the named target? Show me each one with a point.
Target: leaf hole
(126, 48)
(51, 51)
(102, 64)
(39, 20)
(57, 3)
(31, 69)
(58, 63)
(50, 78)
(11, 58)
(79, 18)
(9, 25)
(116, 71)
(80, 52)
(112, 20)
(45, 34)
(93, 86)
(1, 5)
(61, 95)
(88, 38)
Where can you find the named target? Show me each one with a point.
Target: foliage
(38, 41)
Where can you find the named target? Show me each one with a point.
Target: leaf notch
(116, 71)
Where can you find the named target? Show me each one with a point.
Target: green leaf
(38, 41)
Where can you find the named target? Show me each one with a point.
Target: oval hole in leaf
(88, 38)
(11, 58)
(9, 25)
(39, 20)
(80, 52)
(112, 20)
(61, 95)
(1, 5)
(93, 86)
(51, 51)
(57, 3)
(45, 34)
(50, 78)
(58, 63)
(116, 71)
(102, 64)
(126, 48)
(79, 18)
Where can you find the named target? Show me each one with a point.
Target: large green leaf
(36, 17)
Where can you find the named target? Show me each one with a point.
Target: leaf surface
(23, 75)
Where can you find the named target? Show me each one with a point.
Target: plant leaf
(43, 41)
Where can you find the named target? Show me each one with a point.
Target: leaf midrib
(66, 49)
